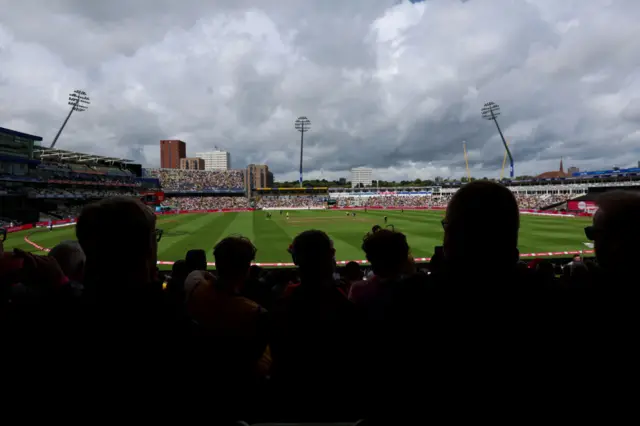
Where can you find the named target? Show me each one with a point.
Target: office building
(215, 160)
(258, 176)
(171, 152)
(572, 170)
(361, 175)
(192, 163)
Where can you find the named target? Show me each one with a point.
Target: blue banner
(607, 172)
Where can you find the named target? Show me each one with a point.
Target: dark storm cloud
(395, 85)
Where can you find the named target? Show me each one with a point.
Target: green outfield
(538, 234)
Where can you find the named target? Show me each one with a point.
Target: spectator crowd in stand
(197, 180)
(534, 202)
(439, 200)
(478, 332)
(206, 203)
(525, 202)
(302, 201)
(87, 174)
(288, 201)
(79, 193)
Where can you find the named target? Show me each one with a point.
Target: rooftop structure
(64, 156)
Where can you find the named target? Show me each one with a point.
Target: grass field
(538, 234)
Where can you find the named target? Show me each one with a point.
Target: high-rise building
(258, 176)
(192, 163)
(361, 175)
(171, 152)
(215, 160)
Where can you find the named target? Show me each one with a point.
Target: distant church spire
(561, 166)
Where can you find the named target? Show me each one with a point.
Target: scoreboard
(152, 198)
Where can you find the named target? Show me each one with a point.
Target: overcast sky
(395, 85)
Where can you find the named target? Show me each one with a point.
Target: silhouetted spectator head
(196, 260)
(481, 225)
(616, 230)
(387, 251)
(179, 272)
(577, 258)
(545, 271)
(376, 228)
(233, 259)
(353, 272)
(313, 253)
(71, 259)
(255, 272)
(119, 234)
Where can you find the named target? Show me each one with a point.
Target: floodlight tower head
(79, 100)
(303, 124)
(490, 111)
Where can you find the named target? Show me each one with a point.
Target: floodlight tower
(79, 101)
(302, 125)
(491, 111)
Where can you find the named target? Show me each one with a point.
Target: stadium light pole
(491, 111)
(79, 101)
(302, 125)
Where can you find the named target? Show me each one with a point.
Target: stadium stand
(206, 203)
(290, 201)
(476, 333)
(197, 180)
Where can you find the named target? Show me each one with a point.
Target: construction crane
(504, 162)
(466, 160)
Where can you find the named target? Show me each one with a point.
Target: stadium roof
(76, 157)
(17, 134)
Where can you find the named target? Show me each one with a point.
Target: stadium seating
(197, 180)
(206, 203)
(290, 201)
